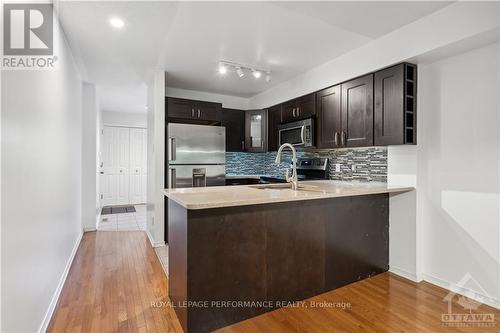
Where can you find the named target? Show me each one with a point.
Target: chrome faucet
(293, 178)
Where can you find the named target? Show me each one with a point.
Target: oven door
(293, 135)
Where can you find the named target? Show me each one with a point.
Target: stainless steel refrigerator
(196, 155)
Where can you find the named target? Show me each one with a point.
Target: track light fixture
(242, 69)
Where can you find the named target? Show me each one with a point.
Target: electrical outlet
(337, 167)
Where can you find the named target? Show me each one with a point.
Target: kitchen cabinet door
(288, 111)
(234, 121)
(389, 106)
(208, 111)
(329, 118)
(274, 120)
(180, 108)
(299, 108)
(357, 112)
(306, 106)
(395, 91)
(256, 131)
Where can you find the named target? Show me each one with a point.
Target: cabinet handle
(293, 113)
(192, 112)
(298, 112)
(171, 151)
(171, 179)
(343, 138)
(243, 145)
(199, 113)
(335, 138)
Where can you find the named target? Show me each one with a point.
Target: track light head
(268, 77)
(240, 72)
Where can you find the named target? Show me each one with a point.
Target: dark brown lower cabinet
(234, 121)
(272, 253)
(357, 112)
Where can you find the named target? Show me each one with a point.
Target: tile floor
(125, 221)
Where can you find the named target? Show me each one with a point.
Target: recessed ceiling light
(256, 74)
(222, 69)
(116, 22)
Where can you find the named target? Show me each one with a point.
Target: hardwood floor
(116, 283)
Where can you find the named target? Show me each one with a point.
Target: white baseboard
(488, 300)
(89, 229)
(60, 285)
(152, 241)
(404, 273)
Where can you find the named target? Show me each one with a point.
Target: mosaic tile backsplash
(362, 164)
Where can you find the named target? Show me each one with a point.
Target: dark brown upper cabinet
(329, 118)
(256, 131)
(234, 121)
(298, 108)
(395, 98)
(357, 112)
(273, 122)
(192, 111)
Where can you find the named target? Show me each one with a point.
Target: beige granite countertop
(243, 195)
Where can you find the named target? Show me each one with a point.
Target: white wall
(41, 164)
(90, 201)
(231, 102)
(156, 159)
(126, 119)
(452, 224)
(450, 25)
(458, 168)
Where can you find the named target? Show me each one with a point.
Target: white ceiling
(188, 39)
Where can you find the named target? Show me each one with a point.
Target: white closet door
(144, 164)
(109, 177)
(136, 165)
(115, 158)
(123, 165)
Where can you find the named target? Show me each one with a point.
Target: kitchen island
(236, 252)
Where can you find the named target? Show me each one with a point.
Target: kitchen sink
(283, 186)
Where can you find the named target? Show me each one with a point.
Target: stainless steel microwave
(299, 133)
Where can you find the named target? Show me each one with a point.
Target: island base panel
(279, 252)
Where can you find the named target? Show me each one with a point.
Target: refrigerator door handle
(171, 178)
(171, 151)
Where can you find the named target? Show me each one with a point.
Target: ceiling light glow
(116, 22)
(256, 74)
(222, 69)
